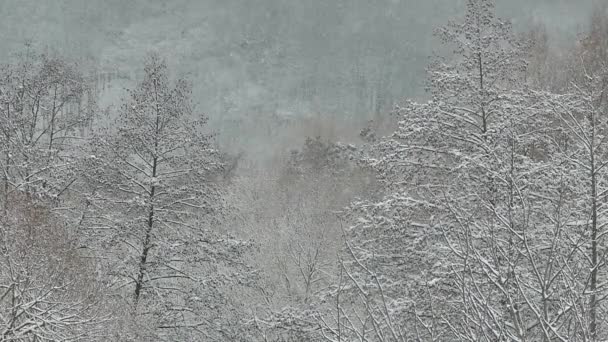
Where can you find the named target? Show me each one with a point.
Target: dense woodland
(474, 213)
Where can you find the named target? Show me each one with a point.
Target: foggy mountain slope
(264, 59)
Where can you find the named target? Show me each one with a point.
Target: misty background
(261, 65)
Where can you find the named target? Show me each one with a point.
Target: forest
(475, 211)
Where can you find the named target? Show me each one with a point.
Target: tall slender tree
(155, 190)
(580, 113)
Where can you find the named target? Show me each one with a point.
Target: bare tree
(580, 112)
(43, 104)
(48, 288)
(476, 236)
(154, 201)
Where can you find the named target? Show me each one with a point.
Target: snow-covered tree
(44, 100)
(475, 237)
(582, 149)
(48, 286)
(154, 200)
(291, 210)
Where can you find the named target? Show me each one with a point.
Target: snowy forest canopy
(474, 212)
